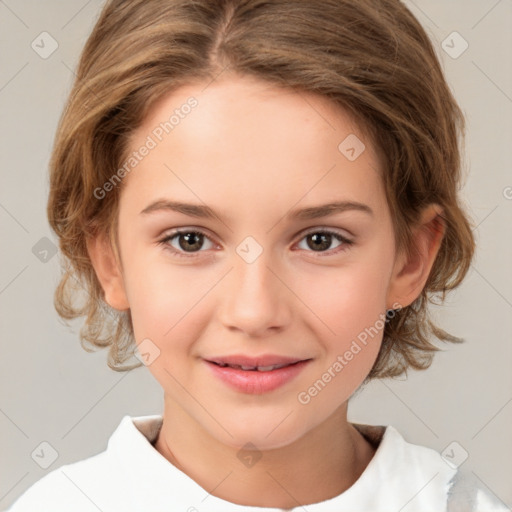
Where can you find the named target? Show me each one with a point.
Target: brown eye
(322, 240)
(319, 241)
(190, 241)
(187, 242)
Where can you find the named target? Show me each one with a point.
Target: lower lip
(254, 381)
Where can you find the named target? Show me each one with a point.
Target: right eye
(184, 241)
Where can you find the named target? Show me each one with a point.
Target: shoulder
(397, 455)
(437, 483)
(70, 483)
(99, 482)
(458, 487)
(468, 493)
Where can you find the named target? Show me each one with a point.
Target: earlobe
(411, 271)
(108, 272)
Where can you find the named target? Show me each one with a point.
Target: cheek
(167, 309)
(349, 303)
(349, 321)
(348, 297)
(165, 302)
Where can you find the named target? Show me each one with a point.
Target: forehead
(237, 106)
(254, 138)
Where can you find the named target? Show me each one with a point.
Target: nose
(255, 301)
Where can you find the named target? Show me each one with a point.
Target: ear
(411, 271)
(108, 271)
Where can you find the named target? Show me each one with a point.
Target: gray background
(51, 390)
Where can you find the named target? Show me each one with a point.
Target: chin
(264, 435)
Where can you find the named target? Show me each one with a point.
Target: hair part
(371, 57)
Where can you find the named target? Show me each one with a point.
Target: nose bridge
(254, 299)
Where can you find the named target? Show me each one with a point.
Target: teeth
(269, 368)
(258, 368)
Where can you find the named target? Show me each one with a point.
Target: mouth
(256, 375)
(263, 363)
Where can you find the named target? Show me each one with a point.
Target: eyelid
(324, 229)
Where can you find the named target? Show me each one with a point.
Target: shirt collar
(399, 470)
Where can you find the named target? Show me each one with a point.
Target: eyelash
(346, 243)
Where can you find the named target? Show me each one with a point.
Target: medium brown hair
(370, 57)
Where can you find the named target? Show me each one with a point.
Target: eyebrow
(203, 211)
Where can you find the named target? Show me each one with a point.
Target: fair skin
(252, 153)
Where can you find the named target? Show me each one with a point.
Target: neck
(316, 467)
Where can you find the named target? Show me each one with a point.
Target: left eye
(320, 241)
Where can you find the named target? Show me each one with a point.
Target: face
(255, 277)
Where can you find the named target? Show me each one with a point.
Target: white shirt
(132, 476)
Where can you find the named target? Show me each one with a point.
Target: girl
(265, 195)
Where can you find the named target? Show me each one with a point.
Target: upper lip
(264, 360)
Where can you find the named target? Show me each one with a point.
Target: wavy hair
(370, 57)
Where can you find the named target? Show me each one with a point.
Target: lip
(254, 381)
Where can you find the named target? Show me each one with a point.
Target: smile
(256, 379)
